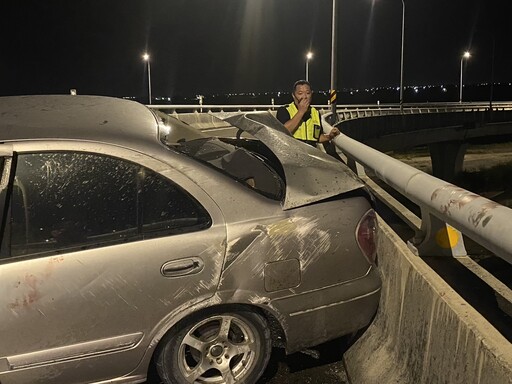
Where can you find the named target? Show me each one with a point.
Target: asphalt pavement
(321, 365)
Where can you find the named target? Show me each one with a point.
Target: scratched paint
(296, 237)
(483, 215)
(255, 299)
(313, 241)
(193, 287)
(452, 197)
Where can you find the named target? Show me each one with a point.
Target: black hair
(300, 82)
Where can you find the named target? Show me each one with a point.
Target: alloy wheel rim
(219, 350)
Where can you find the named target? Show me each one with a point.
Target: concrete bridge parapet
(424, 332)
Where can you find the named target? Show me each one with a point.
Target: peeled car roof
(311, 175)
(94, 118)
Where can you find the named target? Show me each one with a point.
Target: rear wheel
(216, 348)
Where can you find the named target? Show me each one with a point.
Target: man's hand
(334, 132)
(303, 105)
(331, 135)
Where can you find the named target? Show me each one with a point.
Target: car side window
(68, 201)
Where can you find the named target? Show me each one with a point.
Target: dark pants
(330, 149)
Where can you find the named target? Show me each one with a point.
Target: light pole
(334, 54)
(309, 56)
(402, 60)
(466, 55)
(145, 56)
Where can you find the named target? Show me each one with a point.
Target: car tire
(216, 348)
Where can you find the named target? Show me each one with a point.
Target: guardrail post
(436, 238)
(356, 167)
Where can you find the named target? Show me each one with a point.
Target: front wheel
(216, 348)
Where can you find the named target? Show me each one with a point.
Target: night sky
(229, 46)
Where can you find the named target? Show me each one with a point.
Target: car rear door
(86, 306)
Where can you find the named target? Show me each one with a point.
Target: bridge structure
(426, 329)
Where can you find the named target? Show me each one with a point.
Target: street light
(402, 60)
(466, 55)
(334, 57)
(145, 56)
(309, 56)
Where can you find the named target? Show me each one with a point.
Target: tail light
(366, 235)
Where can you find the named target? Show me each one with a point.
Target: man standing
(301, 119)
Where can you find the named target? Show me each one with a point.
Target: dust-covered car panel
(129, 239)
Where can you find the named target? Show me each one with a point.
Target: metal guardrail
(344, 111)
(447, 212)
(441, 203)
(362, 111)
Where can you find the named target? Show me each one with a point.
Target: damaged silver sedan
(129, 239)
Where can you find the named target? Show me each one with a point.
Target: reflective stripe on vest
(309, 129)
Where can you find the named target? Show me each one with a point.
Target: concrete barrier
(424, 332)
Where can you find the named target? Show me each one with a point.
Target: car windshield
(246, 161)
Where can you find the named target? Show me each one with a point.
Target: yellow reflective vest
(308, 130)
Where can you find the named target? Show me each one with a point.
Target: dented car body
(129, 238)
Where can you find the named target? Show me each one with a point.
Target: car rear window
(256, 170)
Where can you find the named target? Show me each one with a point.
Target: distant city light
(363, 95)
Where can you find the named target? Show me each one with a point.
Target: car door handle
(182, 267)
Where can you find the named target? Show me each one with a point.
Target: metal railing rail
(447, 211)
(483, 220)
(345, 112)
